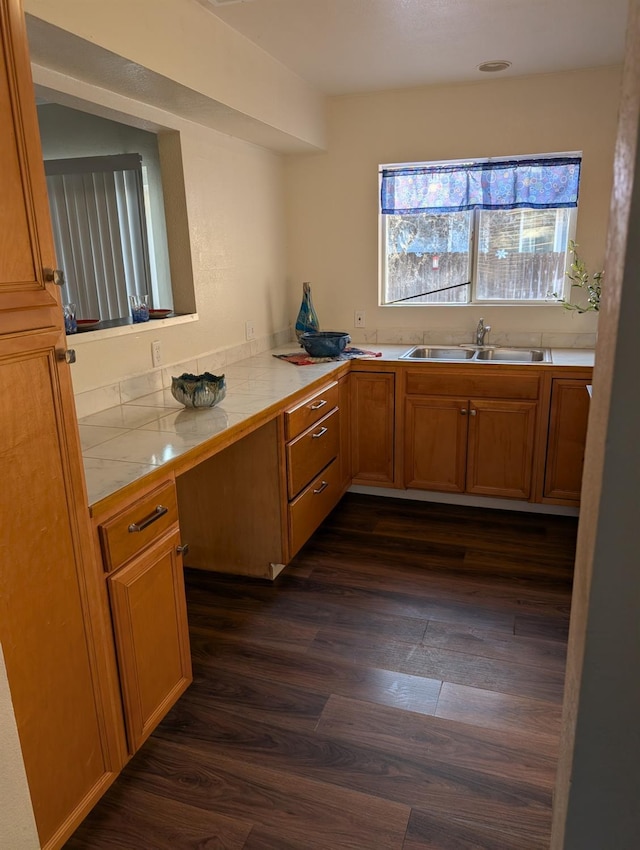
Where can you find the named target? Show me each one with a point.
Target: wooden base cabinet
(312, 457)
(373, 428)
(248, 509)
(567, 436)
(142, 557)
(470, 444)
(152, 636)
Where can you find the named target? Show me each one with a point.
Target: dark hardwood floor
(398, 687)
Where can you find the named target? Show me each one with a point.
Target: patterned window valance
(546, 183)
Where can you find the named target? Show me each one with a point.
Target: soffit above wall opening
(57, 50)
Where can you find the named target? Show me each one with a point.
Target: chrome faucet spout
(481, 332)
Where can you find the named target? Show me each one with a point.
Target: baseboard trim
(465, 500)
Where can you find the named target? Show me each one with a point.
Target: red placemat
(304, 359)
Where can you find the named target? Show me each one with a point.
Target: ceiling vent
(494, 65)
(227, 2)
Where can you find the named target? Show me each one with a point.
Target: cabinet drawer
(309, 453)
(138, 525)
(473, 385)
(297, 419)
(312, 506)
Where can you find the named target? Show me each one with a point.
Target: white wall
(332, 197)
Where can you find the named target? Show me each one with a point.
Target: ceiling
(350, 46)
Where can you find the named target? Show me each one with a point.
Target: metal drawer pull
(182, 549)
(318, 404)
(322, 487)
(159, 511)
(322, 431)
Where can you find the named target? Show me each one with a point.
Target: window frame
(473, 241)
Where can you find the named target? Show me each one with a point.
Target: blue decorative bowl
(324, 343)
(204, 390)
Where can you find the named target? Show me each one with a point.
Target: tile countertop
(124, 443)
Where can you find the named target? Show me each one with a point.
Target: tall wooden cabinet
(52, 612)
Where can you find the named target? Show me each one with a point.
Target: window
(485, 231)
(105, 171)
(100, 231)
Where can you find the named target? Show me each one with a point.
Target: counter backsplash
(134, 386)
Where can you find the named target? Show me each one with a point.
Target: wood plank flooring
(398, 687)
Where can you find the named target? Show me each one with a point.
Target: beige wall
(17, 826)
(333, 197)
(181, 42)
(234, 243)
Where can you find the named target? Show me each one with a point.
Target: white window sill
(84, 337)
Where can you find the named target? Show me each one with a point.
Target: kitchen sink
(513, 355)
(437, 352)
(489, 354)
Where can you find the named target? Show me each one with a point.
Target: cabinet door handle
(54, 276)
(463, 411)
(322, 431)
(473, 412)
(322, 487)
(159, 511)
(68, 355)
(182, 549)
(318, 404)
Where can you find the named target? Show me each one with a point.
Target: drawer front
(313, 505)
(473, 385)
(311, 451)
(138, 526)
(297, 419)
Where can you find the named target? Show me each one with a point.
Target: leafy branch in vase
(580, 278)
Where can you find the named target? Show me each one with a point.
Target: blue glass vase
(307, 317)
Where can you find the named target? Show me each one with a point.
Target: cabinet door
(152, 636)
(53, 616)
(26, 243)
(344, 455)
(500, 448)
(372, 427)
(567, 437)
(435, 443)
(50, 618)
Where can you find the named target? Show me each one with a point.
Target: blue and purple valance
(546, 183)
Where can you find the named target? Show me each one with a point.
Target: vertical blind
(100, 233)
(542, 183)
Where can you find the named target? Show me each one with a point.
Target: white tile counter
(124, 443)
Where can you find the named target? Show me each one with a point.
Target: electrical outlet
(358, 321)
(250, 330)
(156, 353)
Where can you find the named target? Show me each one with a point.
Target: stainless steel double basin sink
(480, 354)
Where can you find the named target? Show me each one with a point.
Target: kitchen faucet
(481, 331)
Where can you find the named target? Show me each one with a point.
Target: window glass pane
(521, 253)
(427, 253)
